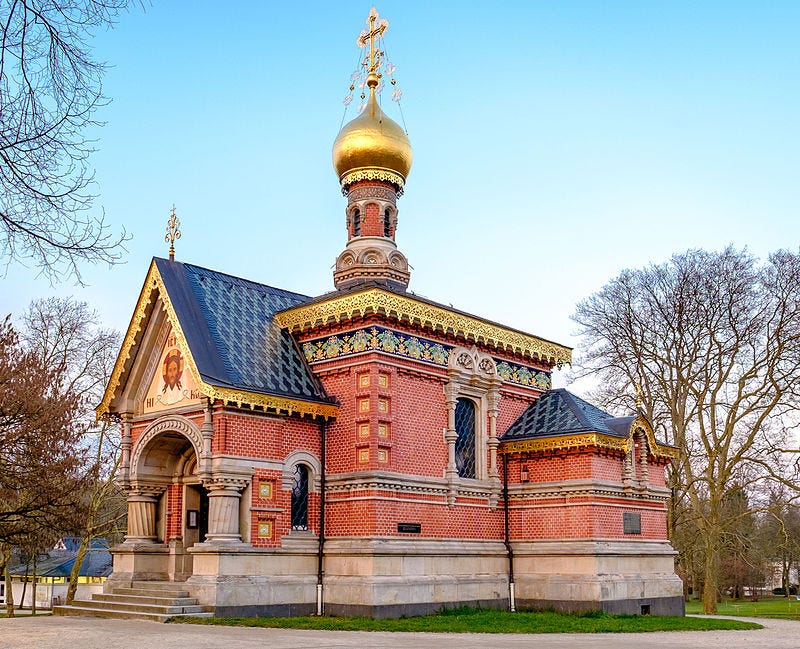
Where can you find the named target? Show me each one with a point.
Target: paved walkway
(92, 633)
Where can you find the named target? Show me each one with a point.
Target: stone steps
(151, 601)
(144, 599)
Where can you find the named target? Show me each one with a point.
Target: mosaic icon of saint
(172, 371)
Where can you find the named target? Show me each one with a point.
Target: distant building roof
(59, 561)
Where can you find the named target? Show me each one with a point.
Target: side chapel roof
(238, 350)
(560, 414)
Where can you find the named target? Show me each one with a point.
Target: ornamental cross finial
(639, 401)
(172, 232)
(375, 28)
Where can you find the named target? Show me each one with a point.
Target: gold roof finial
(639, 401)
(172, 232)
(375, 28)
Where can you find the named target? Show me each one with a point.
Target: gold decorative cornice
(579, 441)
(269, 402)
(429, 316)
(372, 173)
(154, 286)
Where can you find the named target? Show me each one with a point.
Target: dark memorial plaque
(631, 523)
(409, 528)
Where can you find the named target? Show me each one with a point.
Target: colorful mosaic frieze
(378, 339)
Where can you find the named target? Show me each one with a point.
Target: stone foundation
(396, 577)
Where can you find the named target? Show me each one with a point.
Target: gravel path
(91, 633)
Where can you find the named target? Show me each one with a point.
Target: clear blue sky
(555, 143)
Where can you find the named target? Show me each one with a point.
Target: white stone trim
(169, 423)
(301, 457)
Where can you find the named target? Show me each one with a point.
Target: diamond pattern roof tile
(229, 327)
(559, 412)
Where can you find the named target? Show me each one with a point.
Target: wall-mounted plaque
(631, 523)
(409, 528)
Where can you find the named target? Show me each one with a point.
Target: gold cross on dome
(375, 28)
(172, 232)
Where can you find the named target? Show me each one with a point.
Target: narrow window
(300, 498)
(465, 444)
(386, 224)
(356, 223)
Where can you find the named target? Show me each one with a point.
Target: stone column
(207, 431)
(125, 443)
(142, 502)
(450, 437)
(224, 495)
(492, 399)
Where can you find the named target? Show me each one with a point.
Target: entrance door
(196, 514)
(203, 518)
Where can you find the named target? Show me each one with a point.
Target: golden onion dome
(372, 146)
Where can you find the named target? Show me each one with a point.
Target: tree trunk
(9, 589)
(72, 587)
(785, 576)
(24, 586)
(33, 587)
(711, 574)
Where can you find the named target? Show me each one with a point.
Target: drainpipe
(511, 587)
(320, 551)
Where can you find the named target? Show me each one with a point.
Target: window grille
(300, 498)
(386, 224)
(465, 443)
(356, 223)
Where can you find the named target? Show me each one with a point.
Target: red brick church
(369, 451)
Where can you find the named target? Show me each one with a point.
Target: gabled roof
(229, 327)
(560, 419)
(237, 351)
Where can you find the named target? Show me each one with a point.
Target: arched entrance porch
(179, 498)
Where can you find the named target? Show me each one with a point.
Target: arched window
(465, 443)
(387, 224)
(356, 222)
(300, 498)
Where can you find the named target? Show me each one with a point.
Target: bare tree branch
(50, 88)
(714, 340)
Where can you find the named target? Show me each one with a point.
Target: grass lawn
(780, 607)
(469, 620)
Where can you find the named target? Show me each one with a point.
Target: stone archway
(163, 460)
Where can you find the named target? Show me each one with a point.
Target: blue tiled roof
(232, 336)
(559, 412)
(58, 563)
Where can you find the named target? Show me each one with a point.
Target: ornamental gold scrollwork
(376, 300)
(372, 173)
(566, 442)
(139, 315)
(657, 449)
